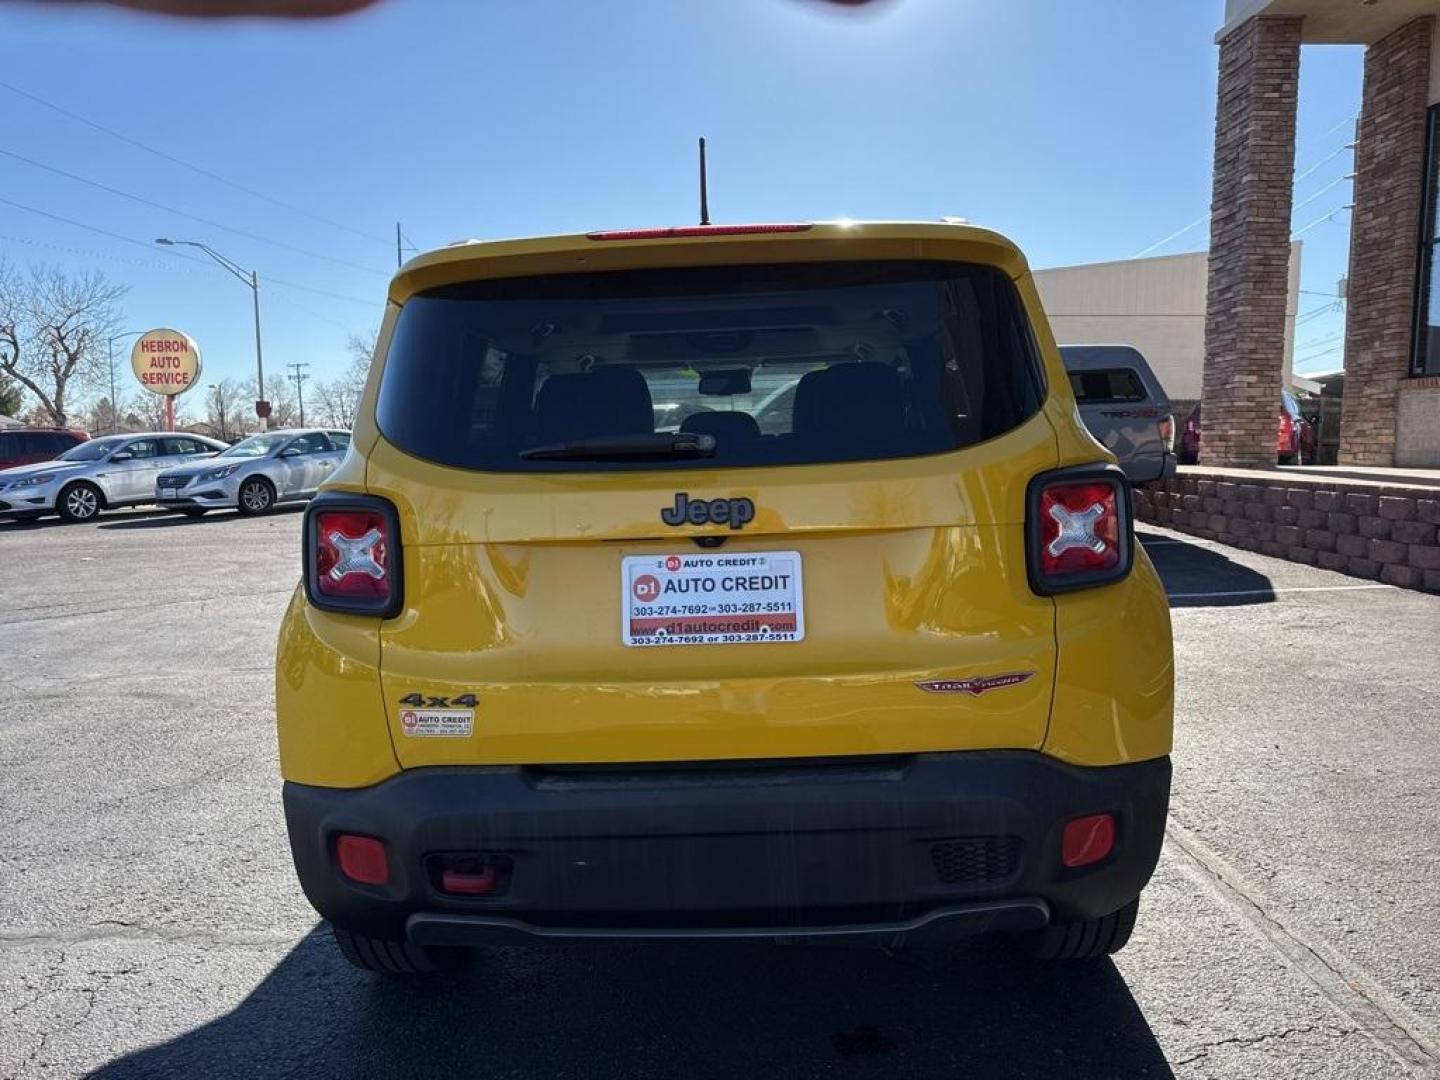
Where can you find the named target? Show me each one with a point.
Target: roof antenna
(704, 195)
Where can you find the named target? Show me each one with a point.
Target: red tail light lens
(352, 555)
(1285, 435)
(682, 231)
(1167, 432)
(1079, 528)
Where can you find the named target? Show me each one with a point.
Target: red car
(25, 446)
(1294, 435)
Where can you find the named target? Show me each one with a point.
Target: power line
(1324, 161)
(1320, 221)
(178, 255)
(1308, 172)
(1301, 320)
(192, 217)
(185, 164)
(1173, 236)
(1321, 191)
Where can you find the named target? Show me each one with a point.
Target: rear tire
(79, 502)
(391, 957)
(256, 496)
(1088, 939)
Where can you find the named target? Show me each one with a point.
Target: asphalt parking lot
(151, 926)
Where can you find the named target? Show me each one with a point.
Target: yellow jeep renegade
(723, 582)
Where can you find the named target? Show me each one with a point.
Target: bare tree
(53, 329)
(104, 417)
(227, 409)
(338, 400)
(145, 412)
(284, 412)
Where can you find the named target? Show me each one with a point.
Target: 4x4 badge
(980, 684)
(425, 701)
(688, 511)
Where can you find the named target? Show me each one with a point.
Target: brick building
(1391, 413)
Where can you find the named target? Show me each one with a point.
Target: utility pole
(399, 258)
(297, 372)
(219, 409)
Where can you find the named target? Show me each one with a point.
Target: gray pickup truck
(1124, 407)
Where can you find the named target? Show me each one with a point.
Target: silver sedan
(256, 473)
(102, 474)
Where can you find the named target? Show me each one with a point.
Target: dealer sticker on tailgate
(736, 599)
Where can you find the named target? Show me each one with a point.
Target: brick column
(1384, 232)
(1250, 241)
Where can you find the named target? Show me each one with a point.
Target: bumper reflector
(362, 859)
(1087, 840)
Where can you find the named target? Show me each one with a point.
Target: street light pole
(252, 280)
(110, 350)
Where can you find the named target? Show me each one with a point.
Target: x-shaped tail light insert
(356, 554)
(1077, 529)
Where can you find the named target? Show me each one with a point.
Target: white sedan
(102, 474)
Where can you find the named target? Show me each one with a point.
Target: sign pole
(169, 412)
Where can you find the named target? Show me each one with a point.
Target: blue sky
(1083, 130)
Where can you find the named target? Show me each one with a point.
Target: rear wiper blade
(658, 445)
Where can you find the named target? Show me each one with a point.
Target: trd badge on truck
(688, 511)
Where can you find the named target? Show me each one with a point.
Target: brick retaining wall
(1370, 530)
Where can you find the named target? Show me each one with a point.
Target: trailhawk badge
(980, 684)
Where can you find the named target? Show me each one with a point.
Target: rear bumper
(924, 846)
(215, 495)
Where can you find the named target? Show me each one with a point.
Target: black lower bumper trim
(906, 845)
(940, 924)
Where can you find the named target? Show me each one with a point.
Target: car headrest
(727, 427)
(608, 401)
(849, 397)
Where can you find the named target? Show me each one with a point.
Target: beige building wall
(1156, 305)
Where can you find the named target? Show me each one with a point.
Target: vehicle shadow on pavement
(55, 522)
(1197, 575)
(166, 521)
(675, 1011)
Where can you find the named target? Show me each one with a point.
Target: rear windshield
(777, 365)
(1096, 387)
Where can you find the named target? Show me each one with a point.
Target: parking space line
(1274, 591)
(1389, 1023)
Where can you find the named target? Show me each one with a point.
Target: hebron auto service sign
(166, 362)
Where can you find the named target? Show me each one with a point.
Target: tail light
(1167, 433)
(1285, 436)
(1078, 524)
(352, 555)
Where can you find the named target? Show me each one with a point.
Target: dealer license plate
(736, 598)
